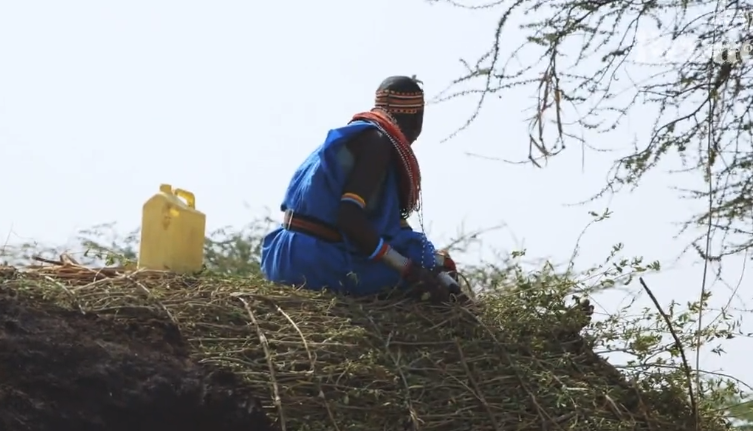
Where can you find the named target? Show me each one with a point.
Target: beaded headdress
(398, 102)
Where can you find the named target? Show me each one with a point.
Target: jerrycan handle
(188, 196)
(185, 194)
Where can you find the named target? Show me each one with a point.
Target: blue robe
(299, 259)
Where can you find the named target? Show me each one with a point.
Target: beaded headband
(400, 103)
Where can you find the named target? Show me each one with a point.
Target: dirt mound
(63, 370)
(513, 360)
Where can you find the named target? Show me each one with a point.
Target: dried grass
(332, 363)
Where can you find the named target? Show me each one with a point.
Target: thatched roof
(330, 363)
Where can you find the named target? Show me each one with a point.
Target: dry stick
(125, 276)
(713, 85)
(43, 260)
(265, 346)
(91, 285)
(413, 415)
(58, 269)
(543, 414)
(311, 359)
(74, 298)
(68, 260)
(149, 295)
(478, 394)
(685, 366)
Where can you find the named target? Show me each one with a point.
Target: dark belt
(310, 226)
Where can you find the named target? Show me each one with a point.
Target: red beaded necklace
(410, 173)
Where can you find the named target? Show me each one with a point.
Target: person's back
(345, 208)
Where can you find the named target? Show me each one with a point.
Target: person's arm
(372, 151)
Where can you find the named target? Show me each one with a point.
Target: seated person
(346, 207)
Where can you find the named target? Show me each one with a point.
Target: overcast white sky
(100, 102)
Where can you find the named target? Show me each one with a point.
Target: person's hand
(445, 262)
(424, 282)
(416, 274)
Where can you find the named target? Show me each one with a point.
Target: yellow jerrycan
(172, 232)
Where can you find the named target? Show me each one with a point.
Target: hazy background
(101, 102)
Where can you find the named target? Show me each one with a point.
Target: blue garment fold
(316, 187)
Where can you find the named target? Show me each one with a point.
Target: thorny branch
(582, 57)
(680, 348)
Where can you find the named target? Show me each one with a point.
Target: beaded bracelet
(353, 198)
(381, 249)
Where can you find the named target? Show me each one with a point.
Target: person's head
(403, 98)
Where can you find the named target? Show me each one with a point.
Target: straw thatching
(328, 363)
